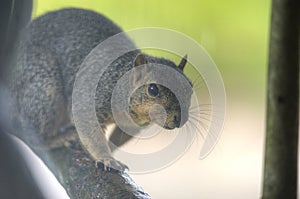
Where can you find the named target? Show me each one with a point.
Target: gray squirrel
(41, 81)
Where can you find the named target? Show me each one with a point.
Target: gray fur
(50, 53)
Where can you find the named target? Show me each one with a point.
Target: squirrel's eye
(153, 90)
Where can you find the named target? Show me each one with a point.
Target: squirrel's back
(70, 32)
(69, 35)
(48, 56)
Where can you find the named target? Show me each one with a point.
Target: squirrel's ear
(140, 59)
(182, 63)
(138, 74)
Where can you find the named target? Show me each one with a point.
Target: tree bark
(78, 174)
(281, 150)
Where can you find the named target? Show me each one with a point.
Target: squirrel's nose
(177, 121)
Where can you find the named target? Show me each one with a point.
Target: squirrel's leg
(65, 137)
(118, 138)
(96, 144)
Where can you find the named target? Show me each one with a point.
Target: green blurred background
(235, 34)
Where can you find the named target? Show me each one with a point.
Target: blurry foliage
(235, 33)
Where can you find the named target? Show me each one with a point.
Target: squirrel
(41, 81)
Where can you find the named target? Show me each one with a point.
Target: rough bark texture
(71, 165)
(281, 153)
(77, 173)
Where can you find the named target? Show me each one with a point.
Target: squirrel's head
(153, 101)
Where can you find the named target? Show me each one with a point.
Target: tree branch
(77, 173)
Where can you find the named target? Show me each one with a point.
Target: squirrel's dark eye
(153, 90)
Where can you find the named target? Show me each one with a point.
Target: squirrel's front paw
(110, 164)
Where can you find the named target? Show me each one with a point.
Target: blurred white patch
(45, 179)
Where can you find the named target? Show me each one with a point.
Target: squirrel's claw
(111, 164)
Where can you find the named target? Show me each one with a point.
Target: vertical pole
(281, 150)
